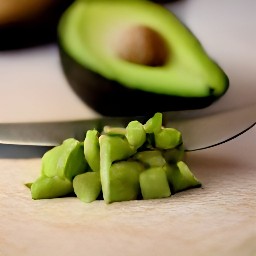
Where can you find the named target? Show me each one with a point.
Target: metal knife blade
(199, 130)
(211, 130)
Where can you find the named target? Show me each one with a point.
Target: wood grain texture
(218, 219)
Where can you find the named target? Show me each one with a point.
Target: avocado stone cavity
(92, 53)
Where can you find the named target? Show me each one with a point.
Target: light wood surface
(218, 219)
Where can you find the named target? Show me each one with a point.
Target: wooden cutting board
(218, 219)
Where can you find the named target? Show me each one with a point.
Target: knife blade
(199, 130)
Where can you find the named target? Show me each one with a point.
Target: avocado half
(26, 23)
(134, 57)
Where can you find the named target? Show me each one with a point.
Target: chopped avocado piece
(87, 186)
(174, 155)
(111, 149)
(154, 124)
(150, 158)
(135, 134)
(92, 149)
(28, 185)
(168, 138)
(180, 177)
(59, 166)
(124, 181)
(154, 183)
(135, 50)
(114, 148)
(51, 187)
(66, 160)
(119, 131)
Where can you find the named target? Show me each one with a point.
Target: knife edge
(199, 130)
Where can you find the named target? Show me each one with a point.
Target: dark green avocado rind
(41, 30)
(111, 98)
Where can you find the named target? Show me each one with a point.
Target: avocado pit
(142, 45)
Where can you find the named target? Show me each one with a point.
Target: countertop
(217, 219)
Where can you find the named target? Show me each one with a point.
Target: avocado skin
(111, 98)
(30, 33)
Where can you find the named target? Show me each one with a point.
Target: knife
(199, 129)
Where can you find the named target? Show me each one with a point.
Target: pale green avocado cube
(168, 138)
(66, 160)
(180, 177)
(92, 150)
(46, 188)
(150, 158)
(135, 134)
(124, 181)
(174, 155)
(154, 124)
(154, 184)
(114, 131)
(112, 148)
(87, 186)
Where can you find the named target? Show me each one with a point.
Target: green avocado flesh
(95, 34)
(129, 164)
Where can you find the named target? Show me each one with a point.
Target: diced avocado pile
(141, 161)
